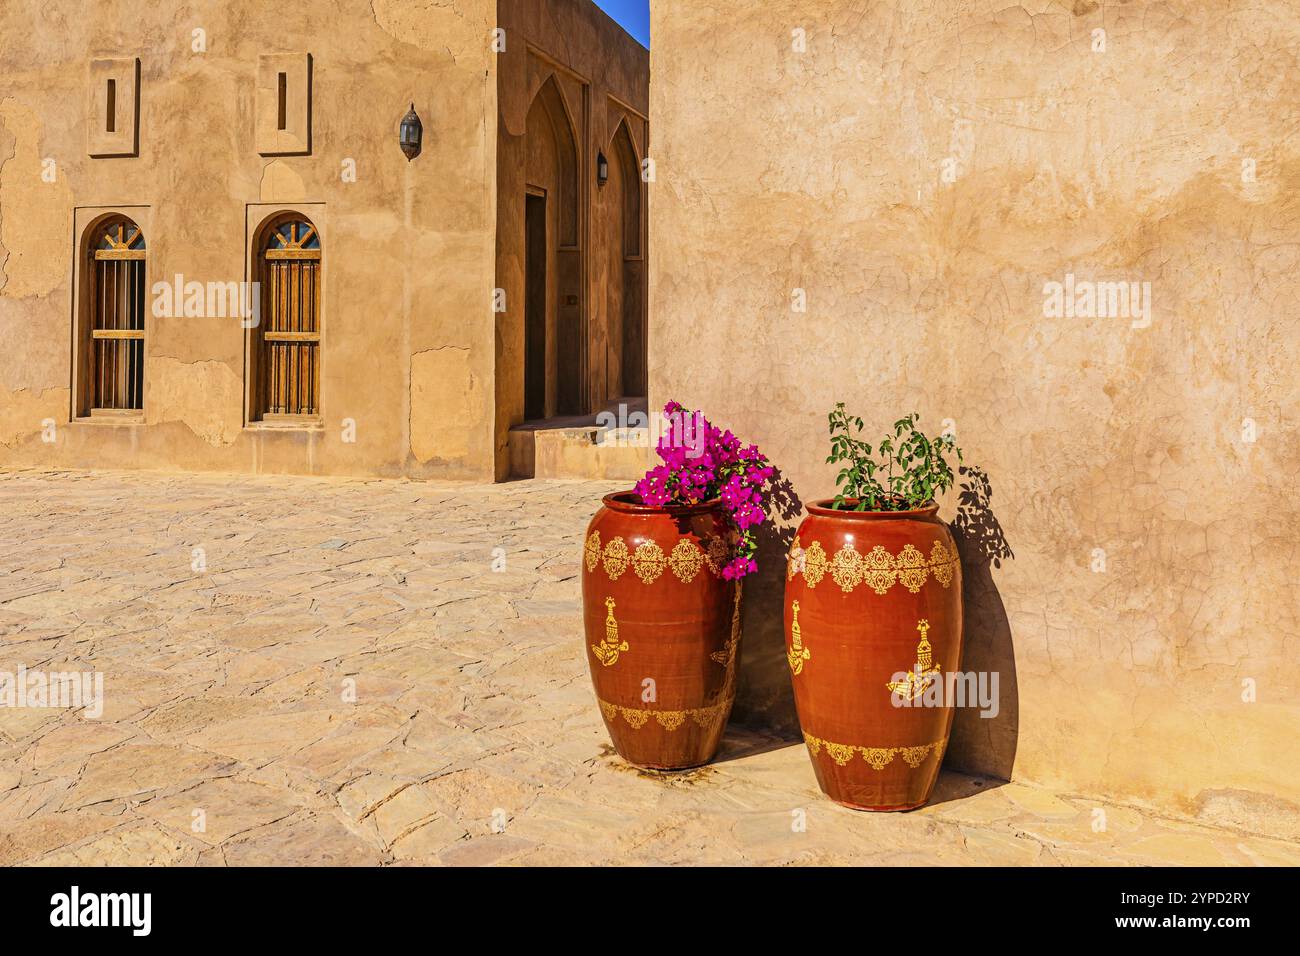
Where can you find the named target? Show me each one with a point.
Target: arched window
(286, 349)
(112, 344)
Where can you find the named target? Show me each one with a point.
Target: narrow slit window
(288, 336)
(114, 339)
(282, 98)
(111, 111)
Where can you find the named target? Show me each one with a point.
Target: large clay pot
(871, 596)
(662, 629)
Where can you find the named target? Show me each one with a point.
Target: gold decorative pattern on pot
(591, 550)
(607, 651)
(840, 753)
(926, 672)
(670, 719)
(810, 562)
(616, 558)
(880, 574)
(686, 560)
(878, 758)
(717, 555)
(816, 564)
(797, 653)
(702, 717)
(942, 563)
(877, 569)
(846, 567)
(911, 568)
(648, 562)
(913, 756)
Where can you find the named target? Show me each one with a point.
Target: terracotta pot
(873, 615)
(662, 629)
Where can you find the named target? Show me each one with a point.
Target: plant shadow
(764, 697)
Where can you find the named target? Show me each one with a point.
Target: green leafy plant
(904, 472)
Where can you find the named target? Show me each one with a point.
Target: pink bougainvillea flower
(700, 462)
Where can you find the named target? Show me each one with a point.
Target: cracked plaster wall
(409, 247)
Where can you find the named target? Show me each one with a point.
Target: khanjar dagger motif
(797, 654)
(728, 652)
(925, 673)
(607, 651)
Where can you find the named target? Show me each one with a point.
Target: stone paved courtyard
(345, 679)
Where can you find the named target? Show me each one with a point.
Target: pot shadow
(958, 785)
(983, 746)
(764, 716)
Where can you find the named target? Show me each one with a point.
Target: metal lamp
(410, 133)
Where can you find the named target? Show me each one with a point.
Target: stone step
(580, 452)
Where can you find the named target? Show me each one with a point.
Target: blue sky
(632, 15)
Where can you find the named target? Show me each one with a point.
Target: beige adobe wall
(603, 75)
(408, 247)
(824, 171)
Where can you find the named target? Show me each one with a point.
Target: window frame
(88, 221)
(261, 220)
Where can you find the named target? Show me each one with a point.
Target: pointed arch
(549, 107)
(625, 299)
(554, 316)
(623, 146)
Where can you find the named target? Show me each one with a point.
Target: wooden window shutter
(290, 329)
(115, 350)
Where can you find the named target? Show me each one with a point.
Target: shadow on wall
(984, 745)
(765, 698)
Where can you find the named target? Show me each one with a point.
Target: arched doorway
(553, 326)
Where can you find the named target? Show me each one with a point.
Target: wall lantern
(409, 134)
(602, 169)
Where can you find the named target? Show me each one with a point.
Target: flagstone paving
(307, 671)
